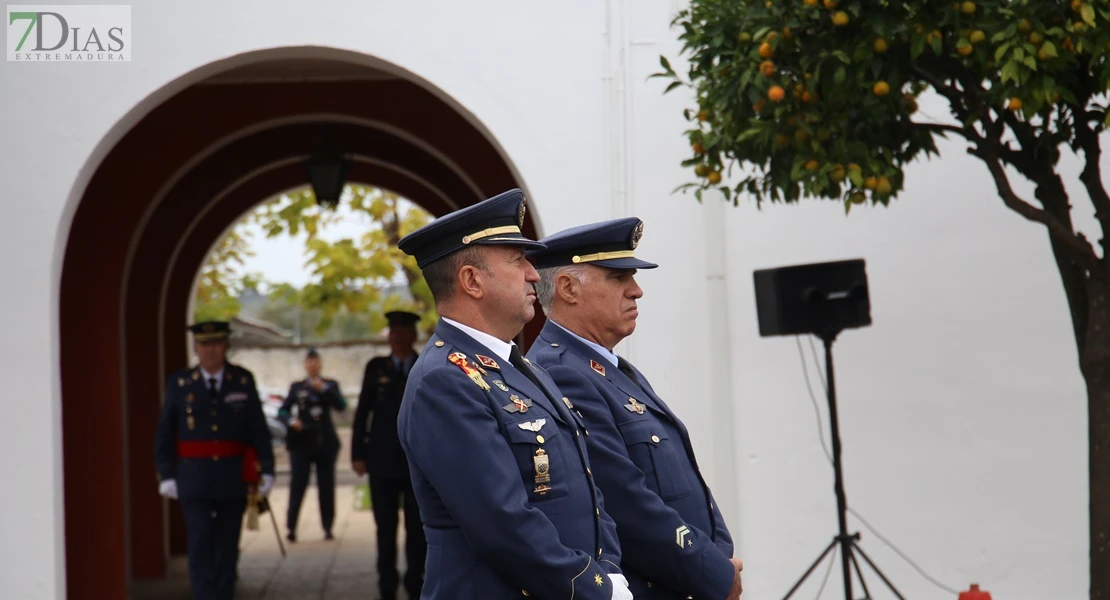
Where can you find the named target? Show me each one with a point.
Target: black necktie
(212, 389)
(627, 369)
(517, 361)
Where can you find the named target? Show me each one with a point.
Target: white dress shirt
(498, 347)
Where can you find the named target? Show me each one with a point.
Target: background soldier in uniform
(312, 440)
(498, 461)
(674, 539)
(211, 444)
(376, 450)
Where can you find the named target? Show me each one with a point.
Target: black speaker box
(819, 298)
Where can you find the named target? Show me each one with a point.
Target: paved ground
(342, 569)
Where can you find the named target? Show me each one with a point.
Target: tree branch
(1091, 176)
(1076, 242)
(940, 128)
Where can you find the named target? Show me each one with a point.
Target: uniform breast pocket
(651, 449)
(540, 452)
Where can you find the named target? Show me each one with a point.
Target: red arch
(151, 211)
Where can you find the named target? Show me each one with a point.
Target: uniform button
(189, 410)
(599, 552)
(439, 344)
(650, 584)
(655, 439)
(215, 428)
(539, 438)
(554, 345)
(597, 513)
(576, 433)
(587, 432)
(588, 472)
(525, 592)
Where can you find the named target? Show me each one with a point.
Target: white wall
(962, 409)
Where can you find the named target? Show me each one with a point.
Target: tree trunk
(1095, 364)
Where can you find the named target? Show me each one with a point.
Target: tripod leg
(811, 568)
(878, 572)
(859, 574)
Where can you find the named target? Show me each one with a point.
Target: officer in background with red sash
(211, 449)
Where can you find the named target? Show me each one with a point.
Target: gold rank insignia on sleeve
(596, 366)
(597, 579)
(459, 360)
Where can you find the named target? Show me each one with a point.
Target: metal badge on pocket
(542, 465)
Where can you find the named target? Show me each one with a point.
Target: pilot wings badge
(533, 426)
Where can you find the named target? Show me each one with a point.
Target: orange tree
(818, 99)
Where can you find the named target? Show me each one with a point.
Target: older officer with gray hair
(674, 540)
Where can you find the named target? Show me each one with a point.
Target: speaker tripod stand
(848, 543)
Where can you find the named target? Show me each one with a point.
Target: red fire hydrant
(975, 594)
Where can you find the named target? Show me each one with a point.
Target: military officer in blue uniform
(498, 460)
(211, 448)
(376, 450)
(312, 440)
(675, 542)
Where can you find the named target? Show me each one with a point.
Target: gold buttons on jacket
(525, 592)
(539, 438)
(215, 428)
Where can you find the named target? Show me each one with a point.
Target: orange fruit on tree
(837, 175)
(787, 35)
(840, 18)
(767, 68)
(701, 170)
(781, 141)
(809, 97)
(703, 115)
(811, 2)
(879, 46)
(881, 88)
(714, 177)
(1015, 104)
(801, 136)
(831, 4)
(811, 164)
(1077, 5)
(1036, 37)
(964, 47)
(968, 7)
(882, 186)
(776, 93)
(698, 148)
(871, 182)
(759, 104)
(977, 36)
(766, 50)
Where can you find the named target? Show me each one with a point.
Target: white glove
(620, 587)
(266, 485)
(168, 488)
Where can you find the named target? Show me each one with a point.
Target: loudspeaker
(819, 298)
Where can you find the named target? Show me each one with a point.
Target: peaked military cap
(496, 220)
(401, 317)
(207, 331)
(609, 244)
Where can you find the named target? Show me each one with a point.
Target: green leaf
(840, 75)
(1088, 14)
(665, 63)
(672, 86)
(1049, 49)
(1031, 62)
(1001, 51)
(1019, 53)
(840, 54)
(1009, 72)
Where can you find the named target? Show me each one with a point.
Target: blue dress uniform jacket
(675, 543)
(383, 387)
(497, 527)
(191, 414)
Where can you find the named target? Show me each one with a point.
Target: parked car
(272, 399)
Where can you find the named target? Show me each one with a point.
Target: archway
(158, 200)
